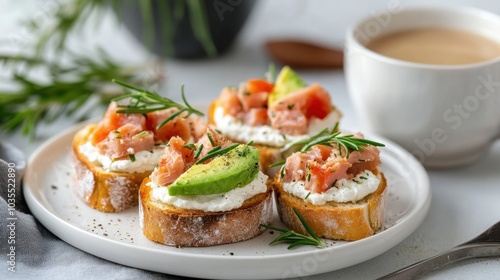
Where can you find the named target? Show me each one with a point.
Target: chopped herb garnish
(308, 177)
(282, 171)
(277, 163)
(217, 151)
(296, 239)
(357, 182)
(132, 157)
(211, 139)
(198, 151)
(307, 196)
(190, 146)
(141, 134)
(290, 106)
(363, 177)
(334, 183)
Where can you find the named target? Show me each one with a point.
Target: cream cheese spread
(214, 202)
(265, 134)
(144, 160)
(344, 190)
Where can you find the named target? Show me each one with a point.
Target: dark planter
(172, 34)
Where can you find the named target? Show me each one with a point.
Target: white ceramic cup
(444, 115)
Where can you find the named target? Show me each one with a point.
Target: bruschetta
(273, 114)
(336, 185)
(113, 156)
(205, 194)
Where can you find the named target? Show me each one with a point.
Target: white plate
(118, 238)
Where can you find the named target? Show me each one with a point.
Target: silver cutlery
(486, 244)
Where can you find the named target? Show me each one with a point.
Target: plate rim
(57, 225)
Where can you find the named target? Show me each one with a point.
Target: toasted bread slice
(343, 221)
(167, 224)
(100, 189)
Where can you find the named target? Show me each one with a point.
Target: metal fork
(487, 244)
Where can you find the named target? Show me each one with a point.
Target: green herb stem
(217, 151)
(296, 239)
(142, 101)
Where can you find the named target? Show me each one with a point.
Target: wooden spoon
(302, 54)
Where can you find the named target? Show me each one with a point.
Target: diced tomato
(255, 86)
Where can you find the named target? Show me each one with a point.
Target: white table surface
(465, 201)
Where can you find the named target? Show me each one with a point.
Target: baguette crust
(166, 224)
(100, 189)
(343, 221)
(267, 156)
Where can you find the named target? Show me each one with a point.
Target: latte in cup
(440, 46)
(428, 78)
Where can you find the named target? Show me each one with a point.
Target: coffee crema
(441, 46)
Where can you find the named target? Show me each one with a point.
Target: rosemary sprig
(67, 90)
(296, 239)
(143, 101)
(348, 142)
(328, 137)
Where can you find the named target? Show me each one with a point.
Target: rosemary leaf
(142, 101)
(218, 152)
(279, 163)
(67, 90)
(296, 239)
(198, 151)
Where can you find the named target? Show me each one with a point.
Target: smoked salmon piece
(253, 100)
(118, 135)
(321, 166)
(312, 101)
(229, 100)
(210, 142)
(256, 117)
(290, 121)
(126, 140)
(112, 121)
(178, 156)
(176, 159)
(179, 126)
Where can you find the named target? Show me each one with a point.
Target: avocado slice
(232, 170)
(287, 82)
